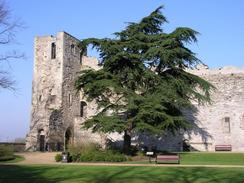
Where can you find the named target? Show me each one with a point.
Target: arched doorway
(41, 140)
(68, 138)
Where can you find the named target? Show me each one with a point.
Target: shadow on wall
(197, 130)
(55, 137)
(180, 141)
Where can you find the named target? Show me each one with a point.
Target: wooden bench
(168, 158)
(223, 148)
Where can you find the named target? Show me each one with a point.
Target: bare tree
(8, 29)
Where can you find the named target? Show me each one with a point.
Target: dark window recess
(227, 119)
(52, 99)
(72, 49)
(41, 140)
(227, 124)
(83, 107)
(70, 99)
(53, 51)
(81, 58)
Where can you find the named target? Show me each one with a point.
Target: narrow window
(83, 108)
(52, 99)
(40, 97)
(70, 99)
(81, 58)
(72, 49)
(226, 125)
(53, 51)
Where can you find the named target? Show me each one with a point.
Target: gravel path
(38, 158)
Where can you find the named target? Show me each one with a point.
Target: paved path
(47, 158)
(38, 158)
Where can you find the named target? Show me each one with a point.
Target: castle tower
(54, 100)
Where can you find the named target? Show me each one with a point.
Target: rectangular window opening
(70, 99)
(53, 51)
(226, 125)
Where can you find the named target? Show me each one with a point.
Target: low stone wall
(17, 147)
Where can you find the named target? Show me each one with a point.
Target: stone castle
(58, 111)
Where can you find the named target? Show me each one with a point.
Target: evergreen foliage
(143, 84)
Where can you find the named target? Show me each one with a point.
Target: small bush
(58, 157)
(6, 153)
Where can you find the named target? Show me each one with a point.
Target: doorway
(68, 138)
(41, 140)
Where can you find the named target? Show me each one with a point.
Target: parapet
(203, 70)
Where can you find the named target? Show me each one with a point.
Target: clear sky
(220, 23)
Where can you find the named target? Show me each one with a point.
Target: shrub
(58, 157)
(6, 153)
(91, 152)
(102, 156)
(76, 150)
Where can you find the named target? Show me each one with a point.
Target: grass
(212, 158)
(204, 158)
(15, 160)
(108, 174)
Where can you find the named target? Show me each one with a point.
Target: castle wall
(56, 106)
(55, 115)
(222, 121)
(46, 87)
(70, 98)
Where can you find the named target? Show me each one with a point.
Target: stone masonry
(56, 106)
(58, 111)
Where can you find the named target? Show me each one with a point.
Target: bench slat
(223, 148)
(167, 158)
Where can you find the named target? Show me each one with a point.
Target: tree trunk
(127, 143)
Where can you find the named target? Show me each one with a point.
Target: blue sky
(220, 23)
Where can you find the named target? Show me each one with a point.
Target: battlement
(203, 70)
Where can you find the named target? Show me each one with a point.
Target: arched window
(83, 109)
(53, 51)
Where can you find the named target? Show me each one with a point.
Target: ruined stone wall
(46, 87)
(83, 135)
(56, 106)
(220, 123)
(71, 67)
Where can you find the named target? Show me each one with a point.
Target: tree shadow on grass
(23, 174)
(109, 174)
(206, 175)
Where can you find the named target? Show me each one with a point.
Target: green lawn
(205, 158)
(108, 174)
(212, 158)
